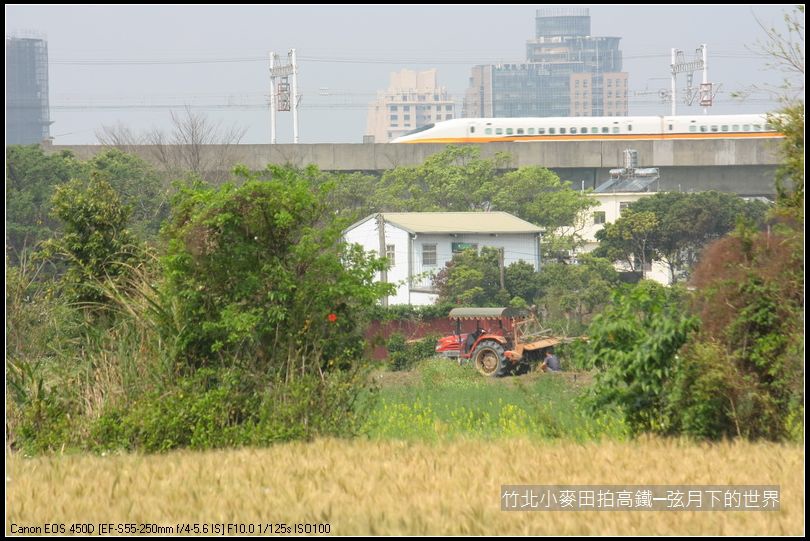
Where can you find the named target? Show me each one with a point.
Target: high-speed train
(593, 128)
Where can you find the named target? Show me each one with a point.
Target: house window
(428, 255)
(623, 205)
(599, 217)
(390, 250)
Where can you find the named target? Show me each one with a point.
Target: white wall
(367, 236)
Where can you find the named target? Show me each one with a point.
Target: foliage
(137, 184)
(626, 239)
(570, 294)
(399, 312)
(351, 194)
(472, 279)
(403, 355)
(456, 179)
(751, 300)
(31, 177)
(537, 195)
(787, 54)
(634, 343)
(790, 175)
(231, 407)
(95, 243)
(260, 272)
(674, 227)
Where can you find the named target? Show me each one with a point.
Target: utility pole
(681, 65)
(282, 97)
(381, 234)
(272, 101)
(294, 95)
(500, 266)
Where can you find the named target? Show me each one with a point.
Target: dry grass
(363, 487)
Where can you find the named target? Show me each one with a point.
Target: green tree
(95, 243)
(138, 185)
(260, 273)
(537, 195)
(472, 279)
(456, 179)
(570, 294)
(31, 177)
(687, 222)
(628, 239)
(633, 344)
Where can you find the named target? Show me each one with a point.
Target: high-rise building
(27, 109)
(567, 72)
(413, 100)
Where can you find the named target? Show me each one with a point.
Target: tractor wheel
(489, 358)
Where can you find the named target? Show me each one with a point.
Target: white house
(611, 205)
(418, 244)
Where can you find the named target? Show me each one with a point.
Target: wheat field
(390, 487)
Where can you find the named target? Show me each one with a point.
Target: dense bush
(633, 344)
(261, 272)
(403, 355)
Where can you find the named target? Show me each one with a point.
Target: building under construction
(27, 109)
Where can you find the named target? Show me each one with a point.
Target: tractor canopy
(488, 313)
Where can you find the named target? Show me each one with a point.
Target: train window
(670, 127)
(735, 127)
(541, 131)
(583, 130)
(472, 129)
(552, 131)
(693, 128)
(594, 130)
(768, 127)
(757, 127)
(488, 131)
(615, 129)
(509, 131)
(520, 131)
(746, 127)
(629, 127)
(605, 130)
(562, 130)
(714, 128)
(704, 129)
(573, 130)
(531, 131)
(724, 127)
(498, 131)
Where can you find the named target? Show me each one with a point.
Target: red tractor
(505, 340)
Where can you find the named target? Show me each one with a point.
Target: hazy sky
(132, 64)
